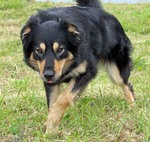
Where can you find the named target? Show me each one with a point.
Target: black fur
(99, 37)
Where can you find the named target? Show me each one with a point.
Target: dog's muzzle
(49, 75)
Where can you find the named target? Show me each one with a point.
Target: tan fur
(114, 74)
(54, 95)
(72, 29)
(58, 66)
(41, 65)
(33, 62)
(62, 65)
(43, 47)
(55, 46)
(78, 70)
(68, 61)
(128, 94)
(27, 30)
(64, 100)
(70, 57)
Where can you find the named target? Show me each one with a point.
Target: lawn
(101, 114)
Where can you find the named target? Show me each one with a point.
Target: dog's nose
(49, 74)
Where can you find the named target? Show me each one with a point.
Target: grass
(101, 114)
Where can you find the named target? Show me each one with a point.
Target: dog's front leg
(51, 94)
(57, 110)
(66, 99)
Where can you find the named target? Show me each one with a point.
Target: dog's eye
(39, 51)
(60, 50)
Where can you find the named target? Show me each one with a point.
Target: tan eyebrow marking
(42, 46)
(55, 46)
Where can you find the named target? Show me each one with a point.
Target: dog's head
(50, 47)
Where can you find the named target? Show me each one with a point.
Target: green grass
(101, 114)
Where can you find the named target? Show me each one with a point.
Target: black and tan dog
(65, 45)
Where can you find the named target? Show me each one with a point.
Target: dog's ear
(74, 33)
(26, 36)
(26, 39)
(25, 33)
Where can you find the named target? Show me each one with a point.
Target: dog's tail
(89, 3)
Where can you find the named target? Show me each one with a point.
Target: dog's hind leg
(120, 78)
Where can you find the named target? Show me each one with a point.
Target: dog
(66, 44)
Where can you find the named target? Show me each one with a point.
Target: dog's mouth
(50, 80)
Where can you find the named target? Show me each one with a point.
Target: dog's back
(89, 3)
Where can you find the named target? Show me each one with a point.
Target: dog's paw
(132, 104)
(50, 130)
(52, 123)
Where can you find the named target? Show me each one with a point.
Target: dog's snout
(49, 74)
